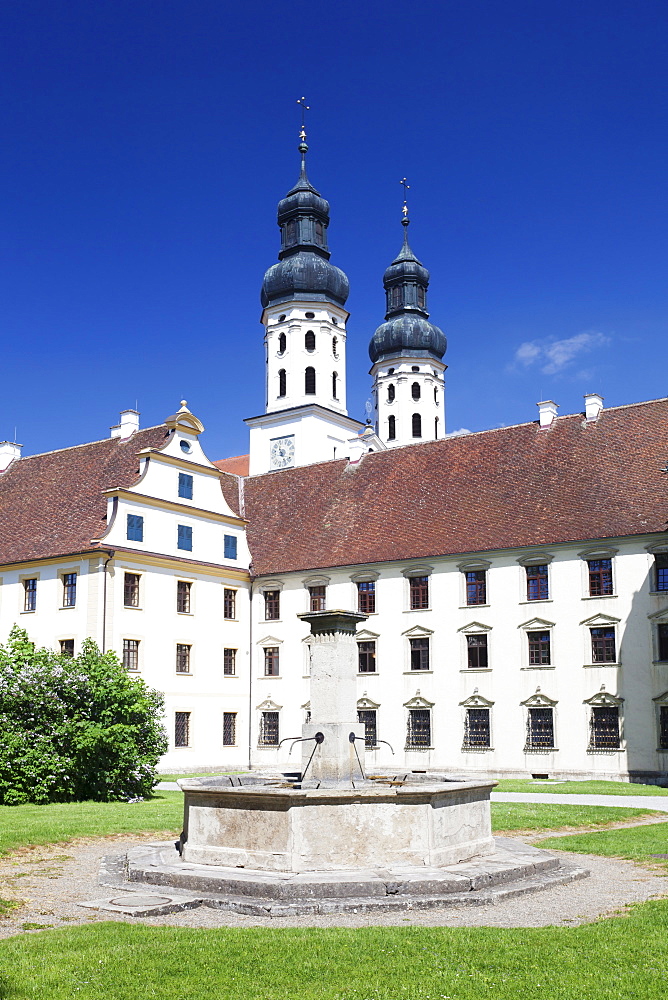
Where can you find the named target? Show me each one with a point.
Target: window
(539, 649)
(309, 340)
(30, 594)
(537, 589)
(229, 603)
(271, 661)
(69, 590)
(272, 605)
(135, 528)
(477, 651)
(476, 586)
(415, 391)
(661, 569)
(604, 727)
(282, 344)
(182, 729)
(391, 393)
(366, 597)
(335, 378)
(230, 546)
(435, 428)
(603, 645)
(309, 382)
(663, 727)
(131, 590)
(662, 635)
(366, 656)
(420, 653)
(309, 315)
(185, 538)
(477, 733)
(67, 647)
(182, 658)
(415, 368)
(183, 588)
(391, 428)
(316, 598)
(368, 717)
(420, 297)
(229, 662)
(229, 729)
(268, 729)
(282, 382)
(600, 577)
(291, 232)
(131, 654)
(418, 735)
(335, 344)
(419, 592)
(416, 425)
(318, 232)
(540, 729)
(185, 486)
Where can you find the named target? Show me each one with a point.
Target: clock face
(282, 452)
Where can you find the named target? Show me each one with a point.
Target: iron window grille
(603, 645)
(663, 727)
(418, 734)
(229, 603)
(317, 598)
(67, 647)
(229, 662)
(268, 729)
(131, 654)
(477, 732)
(540, 729)
(368, 717)
(604, 728)
(30, 594)
(182, 658)
(419, 654)
(69, 590)
(600, 577)
(185, 486)
(272, 605)
(477, 651)
(135, 528)
(366, 656)
(183, 597)
(131, 590)
(662, 634)
(476, 586)
(419, 592)
(182, 729)
(230, 546)
(661, 569)
(271, 661)
(309, 382)
(416, 425)
(539, 649)
(185, 538)
(537, 583)
(229, 729)
(366, 597)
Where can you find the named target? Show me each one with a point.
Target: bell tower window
(291, 232)
(415, 391)
(309, 340)
(390, 394)
(281, 344)
(318, 232)
(282, 382)
(391, 428)
(309, 382)
(335, 344)
(335, 379)
(417, 425)
(420, 297)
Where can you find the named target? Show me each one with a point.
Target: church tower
(406, 352)
(304, 316)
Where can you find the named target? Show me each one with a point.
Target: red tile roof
(237, 465)
(506, 488)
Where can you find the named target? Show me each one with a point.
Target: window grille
(131, 654)
(477, 734)
(391, 393)
(391, 428)
(416, 425)
(229, 603)
(69, 590)
(131, 590)
(282, 382)
(662, 632)
(282, 344)
(309, 341)
(271, 661)
(183, 596)
(366, 597)
(268, 729)
(30, 594)
(309, 382)
(540, 729)
(229, 729)
(604, 728)
(317, 598)
(367, 656)
(67, 647)
(477, 651)
(476, 586)
(600, 577)
(368, 717)
(229, 662)
(415, 391)
(537, 585)
(603, 645)
(185, 538)
(230, 546)
(663, 727)
(418, 734)
(420, 654)
(182, 729)
(419, 592)
(539, 649)
(272, 605)
(182, 658)
(185, 486)
(135, 528)
(661, 567)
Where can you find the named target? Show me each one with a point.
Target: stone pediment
(268, 705)
(662, 699)
(476, 701)
(269, 640)
(417, 701)
(474, 627)
(366, 635)
(604, 697)
(366, 702)
(601, 620)
(539, 700)
(534, 623)
(417, 632)
(659, 616)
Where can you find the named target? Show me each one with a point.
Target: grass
(513, 816)
(637, 844)
(577, 787)
(117, 961)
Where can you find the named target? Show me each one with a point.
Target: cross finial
(406, 186)
(305, 107)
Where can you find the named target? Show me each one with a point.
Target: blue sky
(145, 145)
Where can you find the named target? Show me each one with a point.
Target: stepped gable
(505, 488)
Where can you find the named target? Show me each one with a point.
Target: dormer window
(281, 343)
(415, 391)
(309, 340)
(185, 486)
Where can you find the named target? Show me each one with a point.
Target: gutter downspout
(250, 680)
(110, 553)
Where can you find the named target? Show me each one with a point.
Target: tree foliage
(74, 728)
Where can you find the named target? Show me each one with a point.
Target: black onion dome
(412, 335)
(304, 276)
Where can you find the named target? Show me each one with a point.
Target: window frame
(419, 647)
(537, 646)
(541, 581)
(270, 729)
(183, 665)
(186, 486)
(230, 544)
(184, 718)
(134, 532)
(184, 597)
(66, 647)
(131, 654)
(230, 661)
(30, 593)
(229, 603)
(272, 661)
(131, 591)
(368, 717)
(272, 602)
(413, 734)
(368, 589)
(419, 592)
(230, 727)
(603, 645)
(69, 582)
(536, 740)
(660, 573)
(366, 655)
(599, 741)
(184, 537)
(468, 742)
(477, 648)
(317, 597)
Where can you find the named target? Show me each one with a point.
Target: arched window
(390, 394)
(281, 343)
(417, 425)
(309, 340)
(435, 394)
(435, 428)
(291, 231)
(318, 232)
(309, 382)
(281, 382)
(415, 368)
(335, 341)
(415, 391)
(391, 429)
(335, 379)
(390, 371)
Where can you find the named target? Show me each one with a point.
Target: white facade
(409, 400)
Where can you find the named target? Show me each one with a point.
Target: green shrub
(74, 728)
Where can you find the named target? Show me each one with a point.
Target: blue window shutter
(185, 486)
(185, 539)
(230, 546)
(135, 528)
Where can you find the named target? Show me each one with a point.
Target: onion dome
(406, 329)
(303, 270)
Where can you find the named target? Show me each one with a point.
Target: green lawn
(637, 844)
(114, 961)
(509, 816)
(578, 787)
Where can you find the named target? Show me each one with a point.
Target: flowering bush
(74, 728)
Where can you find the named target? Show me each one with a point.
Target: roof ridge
(87, 444)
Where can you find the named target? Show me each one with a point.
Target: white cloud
(459, 433)
(553, 356)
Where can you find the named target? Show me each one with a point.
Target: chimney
(547, 412)
(9, 450)
(128, 425)
(593, 406)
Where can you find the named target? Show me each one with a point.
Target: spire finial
(302, 132)
(404, 211)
